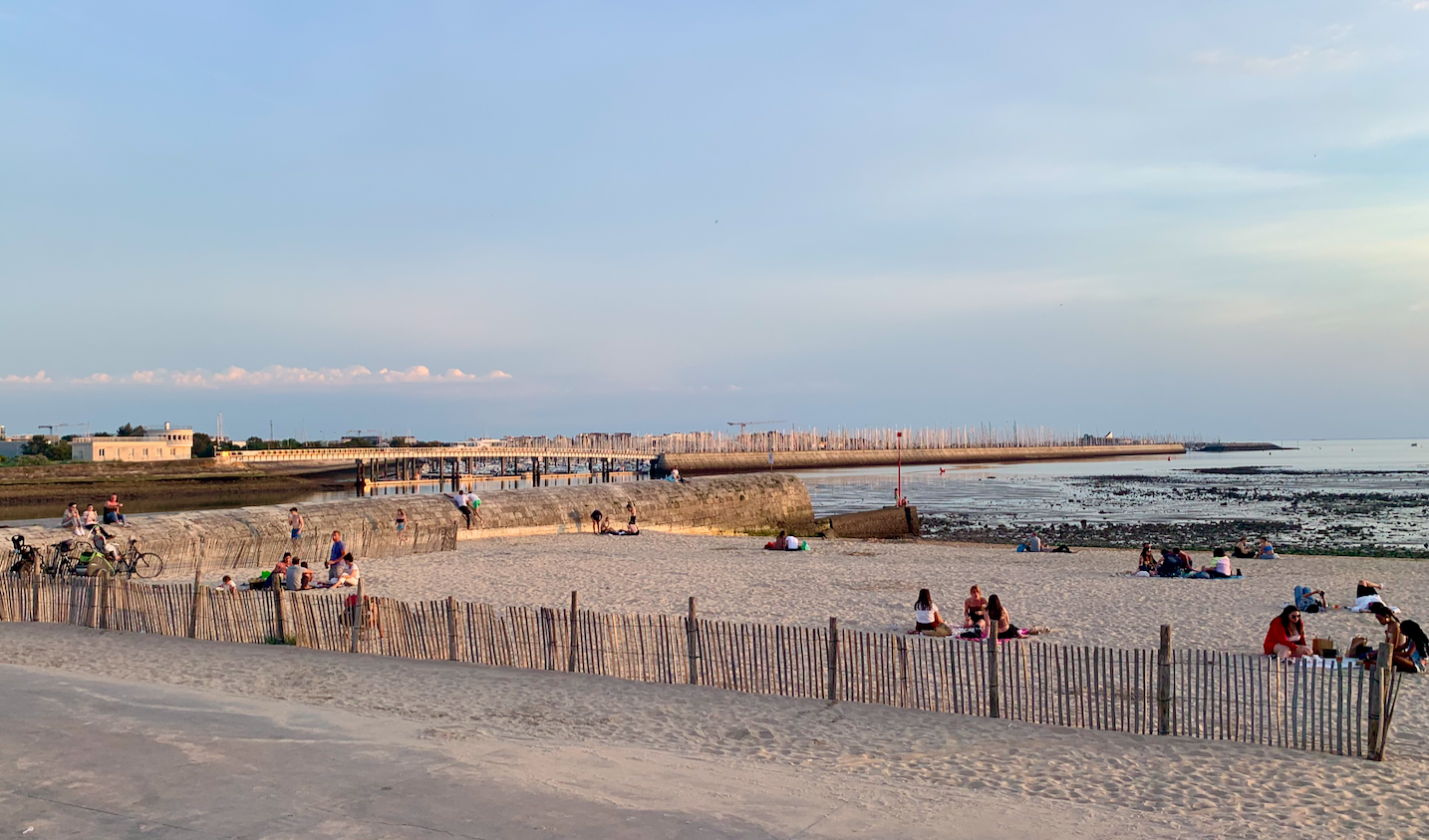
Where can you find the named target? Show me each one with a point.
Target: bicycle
(65, 559)
(140, 564)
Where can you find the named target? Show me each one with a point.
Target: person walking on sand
(112, 516)
(295, 526)
(401, 525)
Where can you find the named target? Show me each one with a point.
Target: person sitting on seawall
(1242, 550)
(91, 518)
(926, 617)
(974, 608)
(1286, 637)
(1266, 551)
(1222, 568)
(112, 516)
(73, 520)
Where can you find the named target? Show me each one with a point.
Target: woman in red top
(1286, 636)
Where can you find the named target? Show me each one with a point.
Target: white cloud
(278, 376)
(1091, 178)
(38, 379)
(1298, 59)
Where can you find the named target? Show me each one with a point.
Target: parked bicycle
(131, 562)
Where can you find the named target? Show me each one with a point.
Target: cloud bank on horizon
(1204, 219)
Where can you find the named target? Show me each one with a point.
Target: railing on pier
(1150, 691)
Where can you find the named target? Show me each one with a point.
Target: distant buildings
(168, 444)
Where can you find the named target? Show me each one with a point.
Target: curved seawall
(249, 537)
(745, 462)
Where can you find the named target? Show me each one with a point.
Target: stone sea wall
(257, 536)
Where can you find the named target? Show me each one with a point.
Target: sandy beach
(896, 763)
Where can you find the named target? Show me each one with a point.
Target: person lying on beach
(926, 618)
(1242, 550)
(1286, 637)
(1222, 568)
(1310, 600)
(1367, 595)
(974, 608)
(1266, 551)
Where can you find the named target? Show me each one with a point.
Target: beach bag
(1021, 547)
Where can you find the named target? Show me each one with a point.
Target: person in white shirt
(926, 617)
(791, 543)
(72, 520)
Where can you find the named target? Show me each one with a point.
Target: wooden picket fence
(1189, 693)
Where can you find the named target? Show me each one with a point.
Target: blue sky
(465, 218)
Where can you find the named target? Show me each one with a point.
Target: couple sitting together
(981, 617)
(786, 542)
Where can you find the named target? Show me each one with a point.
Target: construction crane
(742, 423)
(53, 427)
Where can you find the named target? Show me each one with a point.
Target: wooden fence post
(103, 600)
(278, 616)
(1163, 683)
(573, 633)
(35, 591)
(994, 702)
(692, 644)
(359, 615)
(833, 660)
(451, 628)
(1376, 701)
(193, 609)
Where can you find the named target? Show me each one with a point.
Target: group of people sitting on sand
(1035, 543)
(600, 524)
(786, 542)
(295, 576)
(982, 617)
(1408, 645)
(1176, 563)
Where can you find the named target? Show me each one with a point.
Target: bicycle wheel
(148, 565)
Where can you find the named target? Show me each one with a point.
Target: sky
(462, 218)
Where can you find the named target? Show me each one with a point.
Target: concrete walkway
(84, 757)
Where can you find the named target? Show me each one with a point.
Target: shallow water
(1339, 495)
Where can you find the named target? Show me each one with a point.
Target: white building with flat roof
(169, 444)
